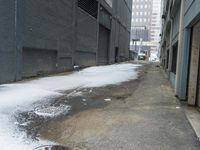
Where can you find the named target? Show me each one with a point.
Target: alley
(100, 75)
(149, 119)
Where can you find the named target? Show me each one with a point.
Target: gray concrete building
(41, 37)
(146, 24)
(180, 48)
(141, 24)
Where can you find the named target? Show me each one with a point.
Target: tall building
(156, 24)
(146, 24)
(47, 36)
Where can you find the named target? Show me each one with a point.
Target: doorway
(116, 54)
(198, 86)
(194, 71)
(103, 47)
(167, 67)
(174, 57)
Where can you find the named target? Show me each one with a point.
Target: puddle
(50, 147)
(52, 111)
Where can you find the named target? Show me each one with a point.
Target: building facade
(141, 25)
(180, 48)
(156, 24)
(40, 37)
(146, 24)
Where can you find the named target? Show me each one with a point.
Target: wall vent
(89, 6)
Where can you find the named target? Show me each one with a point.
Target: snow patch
(107, 99)
(21, 96)
(52, 111)
(84, 100)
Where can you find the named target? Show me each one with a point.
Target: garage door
(38, 61)
(198, 98)
(103, 47)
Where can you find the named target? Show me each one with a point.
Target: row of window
(141, 13)
(141, 6)
(142, 0)
(141, 20)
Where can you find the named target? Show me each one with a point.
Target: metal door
(103, 47)
(198, 89)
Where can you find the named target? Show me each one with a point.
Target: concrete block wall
(86, 39)
(7, 38)
(41, 37)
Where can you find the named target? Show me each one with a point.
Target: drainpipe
(180, 49)
(16, 50)
(170, 47)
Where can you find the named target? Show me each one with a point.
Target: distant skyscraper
(146, 24)
(141, 19)
(156, 24)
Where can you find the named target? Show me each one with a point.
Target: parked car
(141, 56)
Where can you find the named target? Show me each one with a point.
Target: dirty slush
(80, 100)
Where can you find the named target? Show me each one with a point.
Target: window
(89, 6)
(174, 58)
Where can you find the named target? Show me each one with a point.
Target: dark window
(174, 58)
(116, 54)
(90, 6)
(167, 59)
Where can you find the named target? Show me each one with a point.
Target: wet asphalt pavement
(141, 114)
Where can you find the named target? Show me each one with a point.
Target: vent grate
(90, 6)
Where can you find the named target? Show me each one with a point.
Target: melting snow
(84, 100)
(107, 99)
(52, 111)
(20, 96)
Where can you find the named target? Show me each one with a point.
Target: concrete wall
(39, 37)
(191, 17)
(124, 13)
(86, 39)
(192, 10)
(175, 27)
(7, 38)
(48, 28)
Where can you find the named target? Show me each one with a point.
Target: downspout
(170, 47)
(98, 16)
(180, 50)
(15, 38)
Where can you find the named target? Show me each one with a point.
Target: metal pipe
(180, 49)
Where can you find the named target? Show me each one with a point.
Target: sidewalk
(193, 116)
(150, 119)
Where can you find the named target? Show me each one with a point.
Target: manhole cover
(50, 147)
